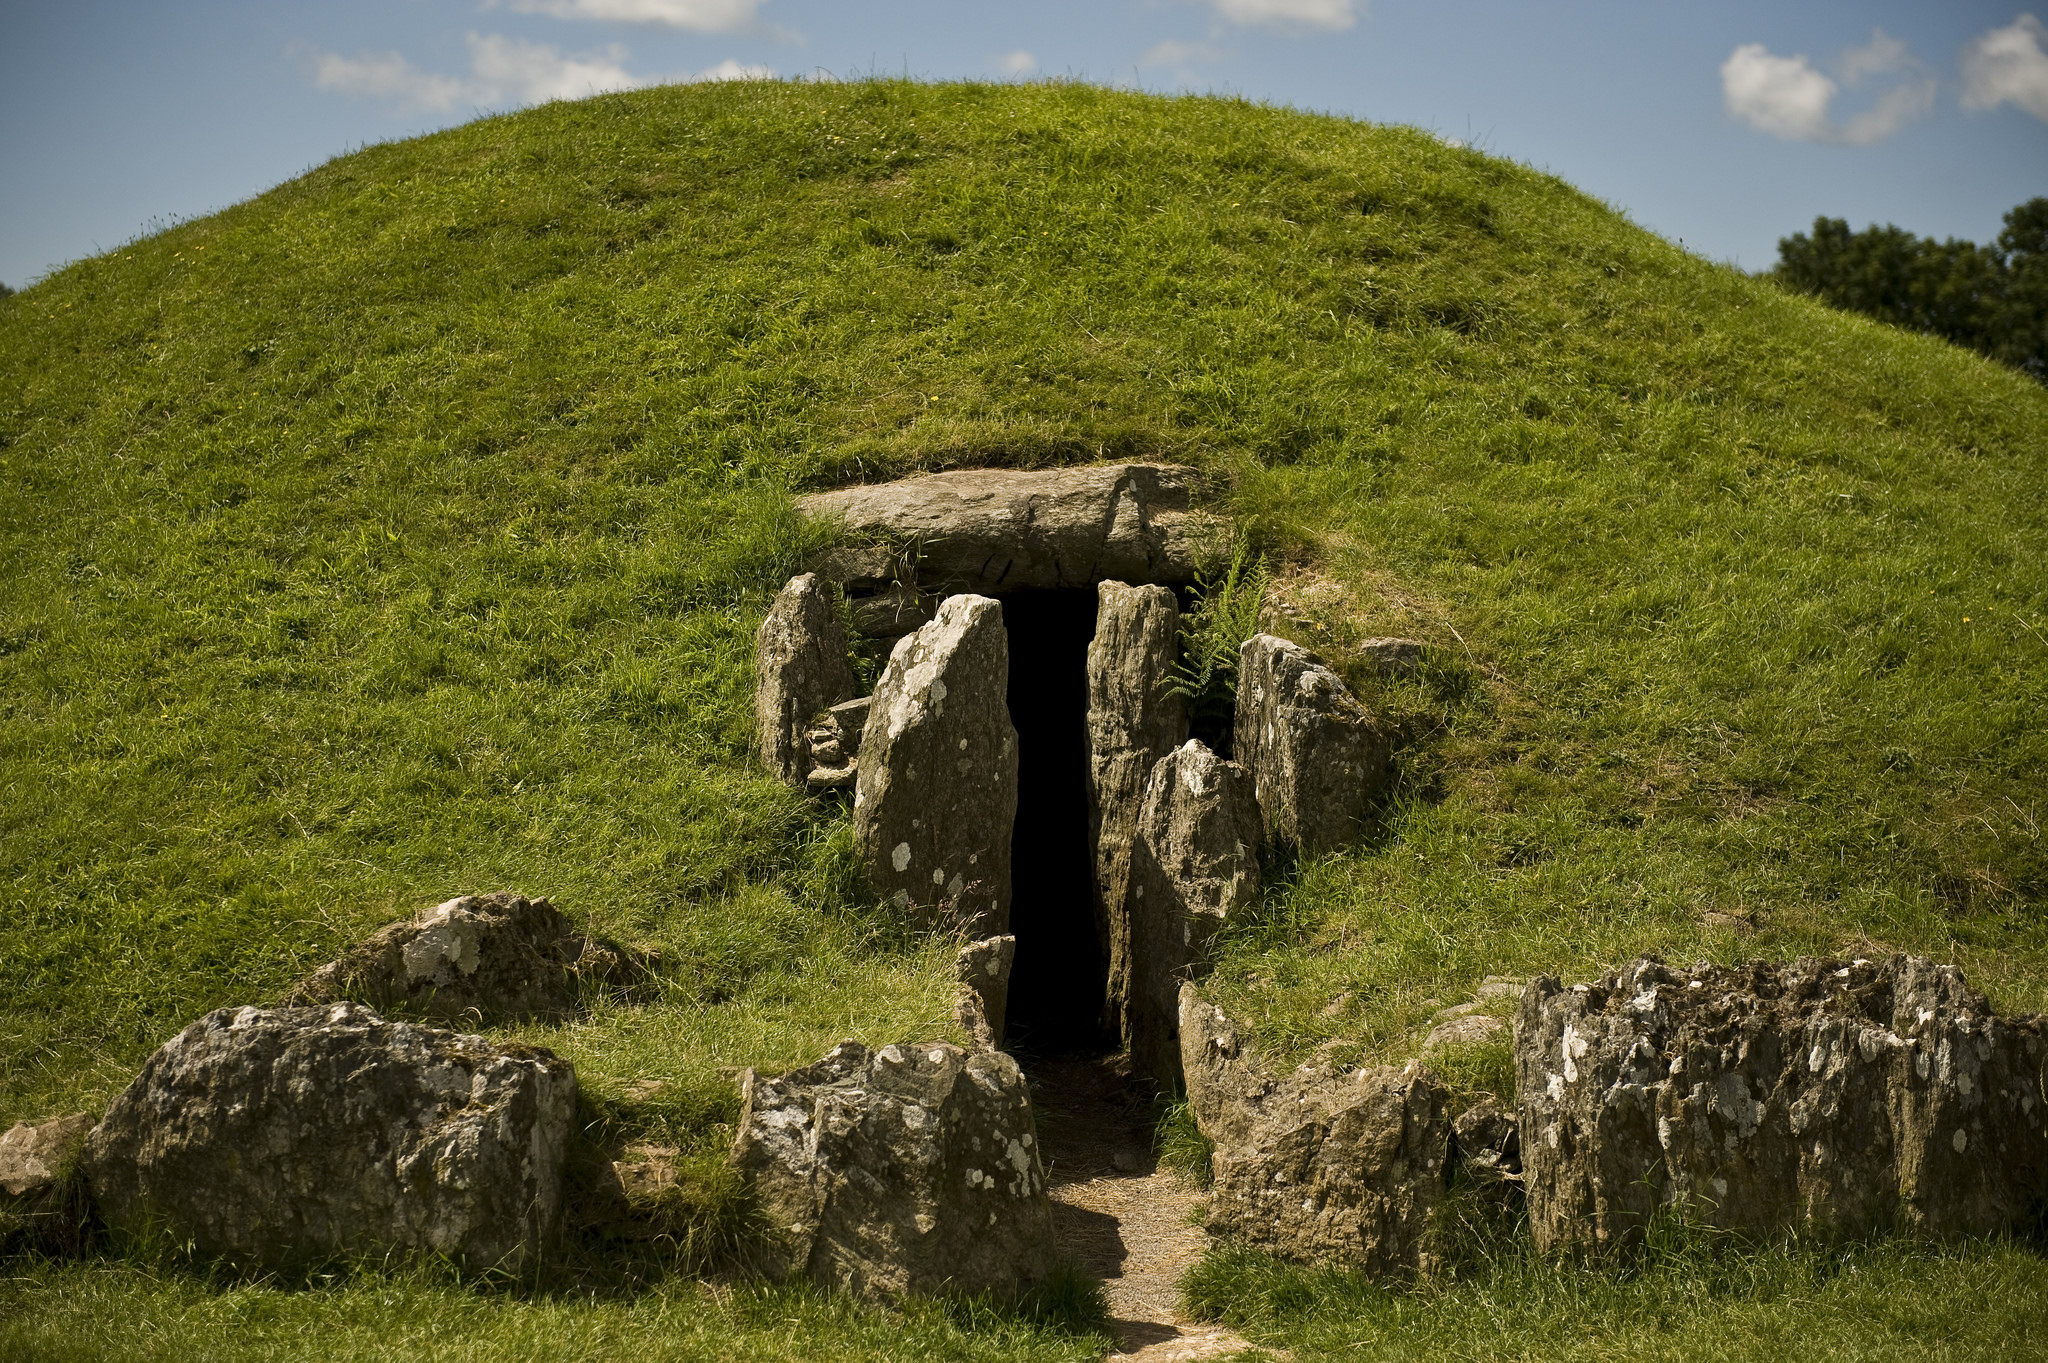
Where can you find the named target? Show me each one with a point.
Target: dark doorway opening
(1060, 975)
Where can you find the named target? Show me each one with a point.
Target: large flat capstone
(1825, 1096)
(912, 1169)
(1321, 1166)
(998, 530)
(1134, 720)
(277, 1137)
(935, 799)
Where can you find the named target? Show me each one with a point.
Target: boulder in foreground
(273, 1138)
(36, 1205)
(912, 1169)
(1322, 1166)
(1825, 1097)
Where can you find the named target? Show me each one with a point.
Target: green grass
(402, 531)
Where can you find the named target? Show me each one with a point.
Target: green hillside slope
(402, 532)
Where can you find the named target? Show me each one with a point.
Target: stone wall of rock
(1829, 1097)
(278, 1137)
(1003, 530)
(800, 670)
(1316, 757)
(1133, 722)
(983, 969)
(912, 1169)
(935, 799)
(1194, 866)
(1320, 1166)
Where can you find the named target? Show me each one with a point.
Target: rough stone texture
(1399, 657)
(39, 1208)
(1316, 758)
(912, 1169)
(1833, 1097)
(892, 612)
(1194, 866)
(936, 796)
(277, 1137)
(835, 746)
(862, 569)
(800, 669)
(1486, 1143)
(491, 956)
(1323, 1166)
(1466, 1029)
(984, 969)
(996, 530)
(1132, 723)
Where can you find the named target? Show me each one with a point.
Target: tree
(1993, 299)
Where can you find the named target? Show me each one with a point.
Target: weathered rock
(800, 669)
(271, 1138)
(862, 569)
(1316, 758)
(1194, 866)
(912, 1169)
(39, 1207)
(1829, 1097)
(1322, 1167)
(492, 956)
(984, 969)
(891, 613)
(997, 530)
(1133, 721)
(1466, 1029)
(936, 797)
(1486, 1143)
(1395, 657)
(835, 746)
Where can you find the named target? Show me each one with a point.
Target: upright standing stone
(1838, 1098)
(278, 1137)
(1133, 721)
(936, 796)
(800, 669)
(908, 1169)
(1194, 865)
(1315, 756)
(984, 972)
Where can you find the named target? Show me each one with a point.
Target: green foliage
(1181, 1146)
(1212, 632)
(1993, 299)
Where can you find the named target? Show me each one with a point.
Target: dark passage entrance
(1059, 978)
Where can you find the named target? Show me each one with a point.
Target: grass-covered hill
(402, 532)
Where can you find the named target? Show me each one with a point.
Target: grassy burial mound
(402, 532)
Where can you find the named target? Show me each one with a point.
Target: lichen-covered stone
(1194, 866)
(984, 971)
(1004, 530)
(1134, 720)
(1828, 1097)
(800, 669)
(1394, 657)
(496, 957)
(912, 1169)
(1316, 757)
(1322, 1166)
(276, 1137)
(37, 1208)
(935, 800)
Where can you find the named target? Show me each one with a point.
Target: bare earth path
(1126, 1219)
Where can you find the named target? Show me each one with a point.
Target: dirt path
(1126, 1219)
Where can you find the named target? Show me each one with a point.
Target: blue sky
(1724, 125)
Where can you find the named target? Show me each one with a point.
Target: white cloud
(501, 71)
(1017, 63)
(1324, 14)
(708, 16)
(2008, 64)
(1174, 52)
(1789, 98)
(1783, 96)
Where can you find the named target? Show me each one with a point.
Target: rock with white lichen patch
(1821, 1097)
(1318, 759)
(936, 795)
(911, 1169)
